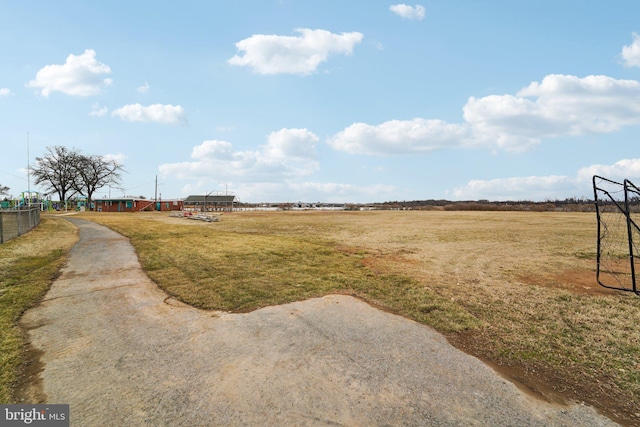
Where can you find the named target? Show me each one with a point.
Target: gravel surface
(120, 352)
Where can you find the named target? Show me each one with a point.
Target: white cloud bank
(273, 54)
(620, 170)
(81, 75)
(416, 12)
(559, 106)
(541, 188)
(5, 91)
(531, 188)
(631, 54)
(288, 153)
(281, 166)
(309, 192)
(156, 113)
(399, 137)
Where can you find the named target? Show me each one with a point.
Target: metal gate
(618, 213)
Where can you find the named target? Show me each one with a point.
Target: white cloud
(144, 88)
(288, 154)
(272, 54)
(119, 158)
(156, 113)
(533, 188)
(81, 75)
(504, 122)
(335, 192)
(416, 12)
(559, 106)
(4, 91)
(623, 169)
(541, 188)
(631, 54)
(97, 111)
(399, 137)
(291, 143)
(307, 192)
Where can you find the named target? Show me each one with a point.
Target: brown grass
(29, 264)
(516, 289)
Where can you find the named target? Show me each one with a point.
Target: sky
(326, 101)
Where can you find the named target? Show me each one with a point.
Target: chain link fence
(14, 223)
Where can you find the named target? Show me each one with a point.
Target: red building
(131, 204)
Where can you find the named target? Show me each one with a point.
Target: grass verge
(29, 264)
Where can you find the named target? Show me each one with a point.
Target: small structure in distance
(209, 203)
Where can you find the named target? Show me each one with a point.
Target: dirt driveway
(120, 352)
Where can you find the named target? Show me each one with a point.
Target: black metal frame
(627, 187)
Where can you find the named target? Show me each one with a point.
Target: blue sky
(337, 101)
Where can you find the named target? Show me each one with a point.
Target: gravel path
(120, 352)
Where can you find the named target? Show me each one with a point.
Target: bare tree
(95, 172)
(4, 190)
(68, 172)
(57, 171)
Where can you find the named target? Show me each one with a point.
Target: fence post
(629, 233)
(1, 232)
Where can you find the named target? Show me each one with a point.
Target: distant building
(209, 203)
(132, 204)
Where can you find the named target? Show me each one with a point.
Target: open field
(28, 265)
(516, 289)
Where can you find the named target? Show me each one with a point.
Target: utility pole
(28, 171)
(155, 206)
(226, 193)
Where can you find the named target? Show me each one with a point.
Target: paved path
(121, 353)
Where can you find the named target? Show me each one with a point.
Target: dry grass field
(516, 289)
(28, 265)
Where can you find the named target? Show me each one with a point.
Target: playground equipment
(81, 203)
(29, 198)
(618, 213)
